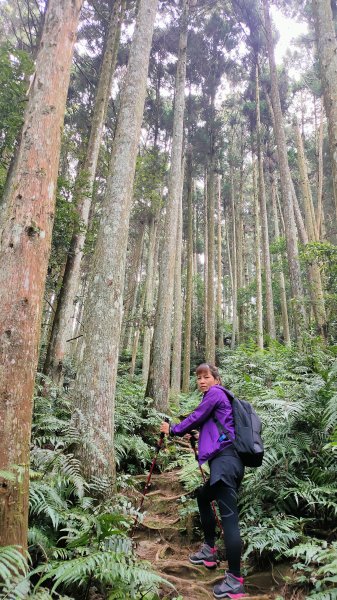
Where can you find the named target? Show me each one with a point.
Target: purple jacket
(214, 403)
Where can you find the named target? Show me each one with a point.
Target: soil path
(163, 538)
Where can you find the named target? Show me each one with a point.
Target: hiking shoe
(206, 556)
(230, 587)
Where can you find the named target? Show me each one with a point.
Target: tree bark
(233, 263)
(189, 282)
(259, 303)
(130, 291)
(292, 248)
(316, 290)
(94, 391)
(148, 328)
(283, 295)
(219, 272)
(178, 310)
(24, 254)
(327, 53)
(210, 322)
(63, 320)
(320, 175)
(264, 220)
(205, 250)
(159, 374)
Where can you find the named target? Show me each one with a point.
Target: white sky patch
(289, 29)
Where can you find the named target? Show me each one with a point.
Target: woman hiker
(226, 472)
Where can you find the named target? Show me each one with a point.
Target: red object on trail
(158, 447)
(193, 440)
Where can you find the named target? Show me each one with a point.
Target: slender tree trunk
(233, 263)
(292, 248)
(205, 251)
(151, 261)
(316, 290)
(259, 304)
(130, 291)
(320, 175)
(283, 295)
(94, 392)
(132, 318)
(239, 247)
(327, 53)
(189, 283)
(219, 270)
(178, 310)
(210, 323)
(159, 375)
(264, 221)
(24, 254)
(63, 321)
(302, 234)
(137, 330)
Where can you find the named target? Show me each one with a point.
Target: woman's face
(205, 380)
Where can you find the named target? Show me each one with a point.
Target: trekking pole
(159, 445)
(193, 441)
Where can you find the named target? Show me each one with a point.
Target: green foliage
(15, 68)
(13, 573)
(136, 425)
(77, 540)
(151, 168)
(317, 567)
(325, 254)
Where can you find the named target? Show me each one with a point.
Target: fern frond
(14, 584)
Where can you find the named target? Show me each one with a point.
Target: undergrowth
(79, 531)
(288, 505)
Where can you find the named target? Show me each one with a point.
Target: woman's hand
(165, 428)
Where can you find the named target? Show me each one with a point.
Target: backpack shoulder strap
(222, 429)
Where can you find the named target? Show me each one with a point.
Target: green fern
(14, 584)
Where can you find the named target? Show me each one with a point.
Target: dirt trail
(164, 540)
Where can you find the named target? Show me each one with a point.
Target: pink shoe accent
(209, 564)
(237, 595)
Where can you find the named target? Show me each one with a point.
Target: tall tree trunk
(159, 375)
(316, 290)
(205, 250)
(136, 331)
(94, 391)
(327, 53)
(178, 309)
(239, 248)
(130, 290)
(63, 320)
(210, 322)
(283, 295)
(264, 220)
(320, 175)
(219, 271)
(292, 248)
(233, 263)
(259, 304)
(189, 282)
(24, 253)
(148, 328)
(132, 320)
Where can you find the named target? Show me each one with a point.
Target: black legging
(226, 498)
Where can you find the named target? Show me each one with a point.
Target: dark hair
(206, 367)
